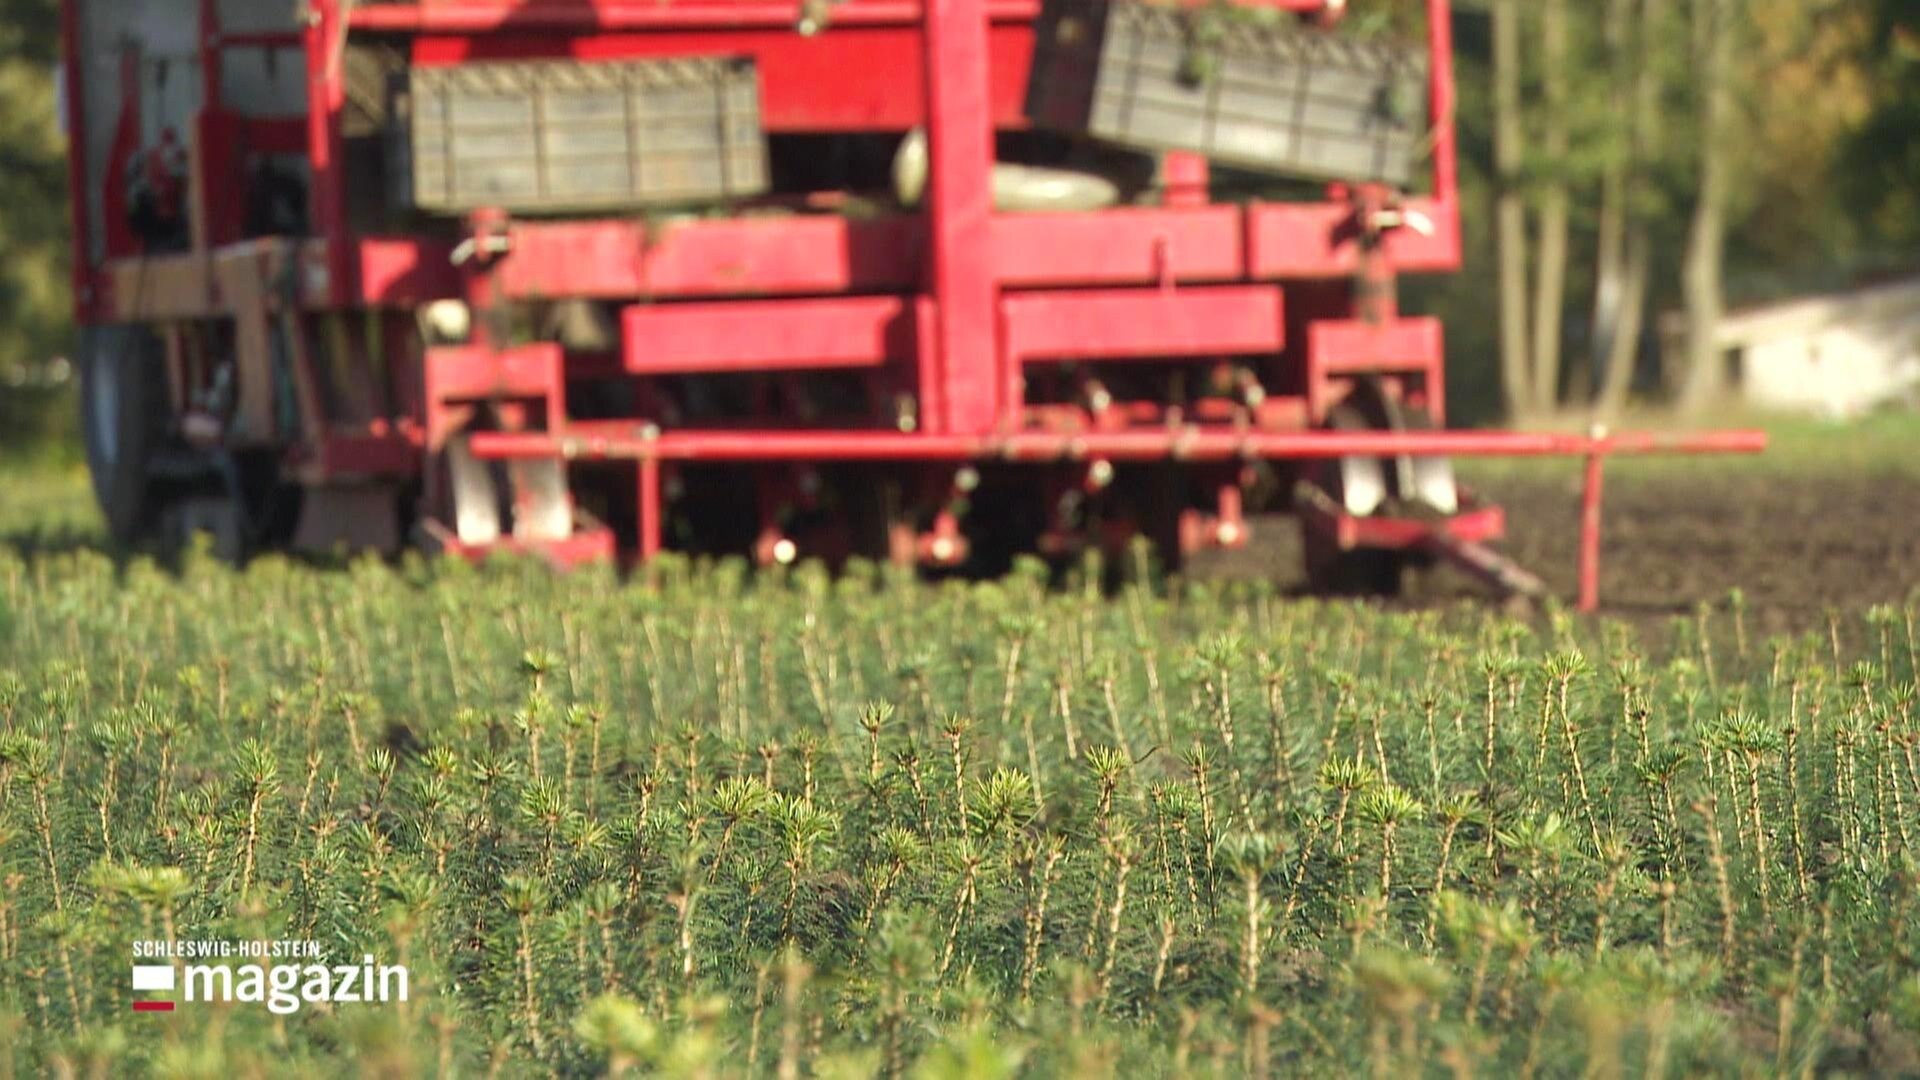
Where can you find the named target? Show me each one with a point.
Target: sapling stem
(43, 824)
(1063, 710)
(1039, 889)
(1121, 849)
(1723, 886)
(963, 900)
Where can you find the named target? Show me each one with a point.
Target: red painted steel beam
(813, 255)
(586, 15)
(1473, 525)
(625, 440)
(1338, 349)
(485, 18)
(326, 96)
(651, 530)
(1124, 246)
(621, 259)
(1322, 240)
(1590, 495)
(1349, 346)
(822, 254)
(1116, 324)
(960, 239)
(768, 335)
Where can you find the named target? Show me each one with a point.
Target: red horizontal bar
(1125, 246)
(153, 1006)
(475, 373)
(475, 17)
(762, 335)
(1343, 346)
(1116, 324)
(624, 440)
(1474, 525)
(1319, 240)
(823, 254)
(609, 259)
(470, 18)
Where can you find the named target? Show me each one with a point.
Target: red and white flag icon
(149, 979)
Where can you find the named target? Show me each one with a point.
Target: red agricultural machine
(939, 281)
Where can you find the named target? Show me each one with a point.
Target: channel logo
(151, 979)
(283, 987)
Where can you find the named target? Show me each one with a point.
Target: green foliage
(707, 824)
(1884, 154)
(34, 294)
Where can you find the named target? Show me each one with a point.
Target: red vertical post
(1184, 178)
(1590, 495)
(650, 525)
(960, 212)
(326, 95)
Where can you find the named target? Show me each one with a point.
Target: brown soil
(1795, 544)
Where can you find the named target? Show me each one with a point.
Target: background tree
(1714, 32)
(34, 275)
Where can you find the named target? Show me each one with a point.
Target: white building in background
(1838, 355)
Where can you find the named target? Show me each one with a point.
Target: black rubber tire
(124, 417)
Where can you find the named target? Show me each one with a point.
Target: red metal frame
(836, 332)
(954, 305)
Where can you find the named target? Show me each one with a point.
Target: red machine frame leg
(960, 212)
(650, 509)
(1591, 494)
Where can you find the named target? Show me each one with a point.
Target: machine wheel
(123, 402)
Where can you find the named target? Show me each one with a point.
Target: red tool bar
(960, 241)
(482, 18)
(620, 440)
(1116, 324)
(768, 335)
(581, 15)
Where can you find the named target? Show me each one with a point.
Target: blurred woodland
(1621, 159)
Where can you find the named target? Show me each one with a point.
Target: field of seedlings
(705, 822)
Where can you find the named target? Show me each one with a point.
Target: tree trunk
(1550, 296)
(1623, 350)
(1611, 227)
(1704, 380)
(1511, 213)
(1623, 347)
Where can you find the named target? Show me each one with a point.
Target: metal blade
(542, 505)
(476, 501)
(1433, 484)
(1363, 485)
